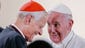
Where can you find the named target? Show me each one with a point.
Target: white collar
(68, 39)
(18, 30)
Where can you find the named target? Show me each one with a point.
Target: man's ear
(27, 19)
(71, 23)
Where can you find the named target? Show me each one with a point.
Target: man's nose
(52, 28)
(40, 32)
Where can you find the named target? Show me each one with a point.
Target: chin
(56, 40)
(29, 40)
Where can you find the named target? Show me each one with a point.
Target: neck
(19, 25)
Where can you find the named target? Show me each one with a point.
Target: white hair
(37, 15)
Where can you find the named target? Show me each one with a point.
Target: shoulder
(1, 29)
(10, 34)
(79, 41)
(10, 37)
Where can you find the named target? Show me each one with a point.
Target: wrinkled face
(58, 26)
(35, 27)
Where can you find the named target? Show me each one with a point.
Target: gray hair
(36, 15)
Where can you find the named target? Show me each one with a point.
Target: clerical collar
(67, 40)
(18, 30)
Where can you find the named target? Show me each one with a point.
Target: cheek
(63, 28)
(33, 27)
(36, 27)
(49, 30)
(62, 31)
(60, 28)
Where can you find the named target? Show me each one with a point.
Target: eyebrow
(56, 23)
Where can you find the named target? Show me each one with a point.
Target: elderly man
(60, 24)
(31, 20)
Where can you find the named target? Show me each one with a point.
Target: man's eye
(41, 27)
(55, 25)
(48, 24)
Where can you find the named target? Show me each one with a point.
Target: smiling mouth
(56, 35)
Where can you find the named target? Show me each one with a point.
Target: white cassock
(71, 41)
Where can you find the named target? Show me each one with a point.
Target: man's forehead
(55, 16)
